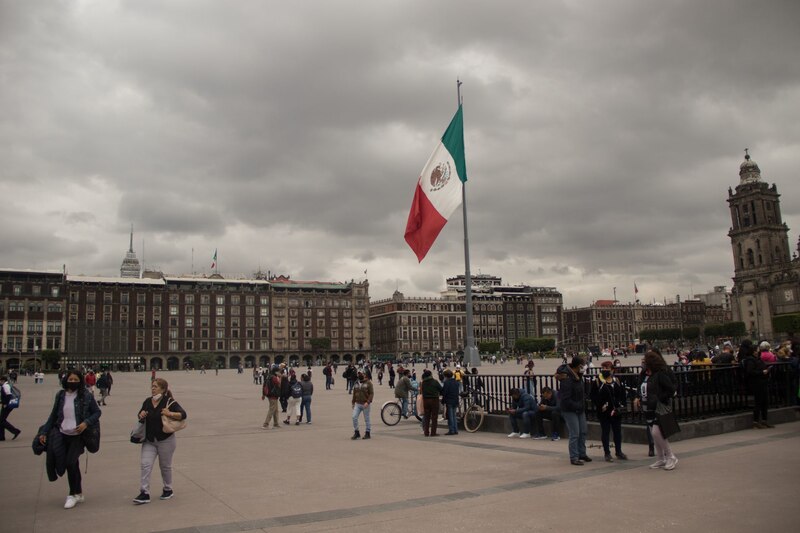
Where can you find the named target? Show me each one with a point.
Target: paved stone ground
(230, 475)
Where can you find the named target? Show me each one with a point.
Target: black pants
(607, 425)
(5, 424)
(72, 445)
(761, 397)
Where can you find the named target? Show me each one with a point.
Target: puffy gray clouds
(601, 139)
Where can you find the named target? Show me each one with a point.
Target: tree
(788, 323)
(734, 329)
(691, 333)
(714, 330)
(204, 359)
(50, 358)
(488, 347)
(534, 344)
(320, 343)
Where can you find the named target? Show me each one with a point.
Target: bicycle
(392, 411)
(469, 412)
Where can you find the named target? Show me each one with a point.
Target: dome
(749, 171)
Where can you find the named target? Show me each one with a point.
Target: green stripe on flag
(453, 140)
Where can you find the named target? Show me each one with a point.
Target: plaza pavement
(230, 475)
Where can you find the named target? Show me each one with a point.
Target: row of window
(36, 290)
(32, 307)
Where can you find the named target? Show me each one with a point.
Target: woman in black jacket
(657, 387)
(158, 443)
(609, 397)
(756, 373)
(74, 411)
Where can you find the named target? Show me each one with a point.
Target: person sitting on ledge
(523, 406)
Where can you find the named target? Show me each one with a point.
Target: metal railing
(702, 393)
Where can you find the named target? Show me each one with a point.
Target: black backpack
(296, 390)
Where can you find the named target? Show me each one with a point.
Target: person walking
(74, 410)
(363, 394)
(271, 390)
(294, 400)
(657, 387)
(430, 390)
(391, 376)
(6, 397)
(450, 396)
(572, 401)
(102, 384)
(157, 442)
(308, 391)
(609, 397)
(91, 380)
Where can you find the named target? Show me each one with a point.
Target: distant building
(766, 280)
(718, 297)
(130, 267)
(435, 326)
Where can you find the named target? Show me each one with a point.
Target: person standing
(91, 380)
(74, 410)
(157, 443)
(363, 393)
(609, 397)
(573, 404)
(271, 390)
(657, 387)
(450, 396)
(756, 372)
(5, 399)
(308, 391)
(294, 401)
(328, 373)
(430, 390)
(391, 376)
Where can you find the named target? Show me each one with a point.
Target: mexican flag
(438, 191)
(214, 259)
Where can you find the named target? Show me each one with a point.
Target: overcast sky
(601, 137)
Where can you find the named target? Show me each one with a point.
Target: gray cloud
(600, 140)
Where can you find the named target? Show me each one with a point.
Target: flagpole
(471, 356)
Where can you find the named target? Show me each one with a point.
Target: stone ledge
(634, 434)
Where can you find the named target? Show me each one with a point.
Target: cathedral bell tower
(764, 282)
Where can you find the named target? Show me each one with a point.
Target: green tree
(50, 358)
(534, 344)
(203, 359)
(320, 343)
(788, 323)
(734, 329)
(488, 347)
(691, 333)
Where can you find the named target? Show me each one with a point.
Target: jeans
(306, 406)
(357, 410)
(163, 449)
(607, 425)
(576, 426)
(328, 380)
(404, 405)
(553, 416)
(526, 417)
(452, 424)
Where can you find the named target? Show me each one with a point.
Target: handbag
(138, 432)
(91, 438)
(665, 418)
(420, 405)
(170, 425)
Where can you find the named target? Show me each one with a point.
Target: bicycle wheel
(473, 418)
(390, 414)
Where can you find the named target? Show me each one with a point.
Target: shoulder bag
(170, 425)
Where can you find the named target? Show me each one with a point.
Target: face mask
(606, 373)
(157, 397)
(71, 386)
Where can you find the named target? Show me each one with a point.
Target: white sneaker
(671, 463)
(71, 502)
(79, 498)
(525, 436)
(659, 464)
(512, 435)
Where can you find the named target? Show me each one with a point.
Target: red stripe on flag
(424, 224)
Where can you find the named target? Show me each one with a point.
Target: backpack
(296, 390)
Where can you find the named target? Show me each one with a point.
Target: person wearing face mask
(572, 401)
(363, 393)
(609, 397)
(74, 410)
(157, 443)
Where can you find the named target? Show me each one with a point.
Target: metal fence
(702, 393)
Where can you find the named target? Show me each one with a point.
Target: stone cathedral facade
(766, 278)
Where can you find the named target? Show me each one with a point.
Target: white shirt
(70, 422)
